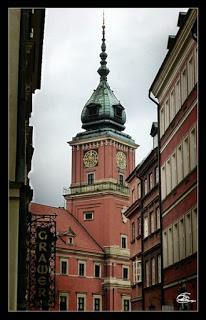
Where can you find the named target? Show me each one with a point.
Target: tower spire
(103, 70)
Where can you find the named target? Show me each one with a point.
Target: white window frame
(159, 269)
(63, 260)
(170, 246)
(167, 113)
(147, 273)
(97, 296)
(125, 267)
(146, 226)
(173, 170)
(163, 182)
(72, 240)
(191, 73)
(179, 163)
(186, 156)
(64, 294)
(152, 221)
(86, 212)
(156, 174)
(82, 262)
(124, 297)
(175, 231)
(151, 181)
(172, 105)
(181, 225)
(178, 95)
(124, 236)
(162, 121)
(97, 264)
(88, 173)
(196, 64)
(193, 148)
(168, 176)
(184, 89)
(157, 210)
(165, 249)
(153, 270)
(145, 186)
(139, 190)
(137, 270)
(194, 230)
(188, 234)
(82, 295)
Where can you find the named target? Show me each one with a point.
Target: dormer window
(92, 110)
(118, 111)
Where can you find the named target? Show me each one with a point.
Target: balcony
(103, 186)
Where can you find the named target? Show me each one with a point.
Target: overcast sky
(136, 44)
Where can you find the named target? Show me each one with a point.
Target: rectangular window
(146, 227)
(158, 217)
(172, 105)
(193, 155)
(147, 274)
(88, 215)
(145, 186)
(163, 182)
(123, 242)
(162, 122)
(133, 231)
(97, 303)
(186, 156)
(150, 181)
(139, 190)
(194, 230)
(90, 178)
(168, 176)
(196, 65)
(191, 74)
(97, 270)
(125, 273)
(82, 267)
(165, 260)
(121, 179)
(159, 268)
(170, 247)
(184, 85)
(179, 164)
(167, 114)
(153, 271)
(182, 238)
(177, 96)
(139, 270)
(81, 302)
(156, 175)
(63, 297)
(176, 242)
(174, 170)
(139, 226)
(126, 303)
(152, 222)
(188, 234)
(63, 266)
(133, 195)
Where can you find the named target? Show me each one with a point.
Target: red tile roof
(83, 241)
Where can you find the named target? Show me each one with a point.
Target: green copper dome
(103, 109)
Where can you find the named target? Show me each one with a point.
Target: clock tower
(102, 157)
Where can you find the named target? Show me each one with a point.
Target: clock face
(121, 160)
(90, 158)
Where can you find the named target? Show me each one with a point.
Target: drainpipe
(160, 203)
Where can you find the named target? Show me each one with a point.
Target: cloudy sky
(136, 42)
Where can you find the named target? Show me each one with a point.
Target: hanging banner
(41, 266)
